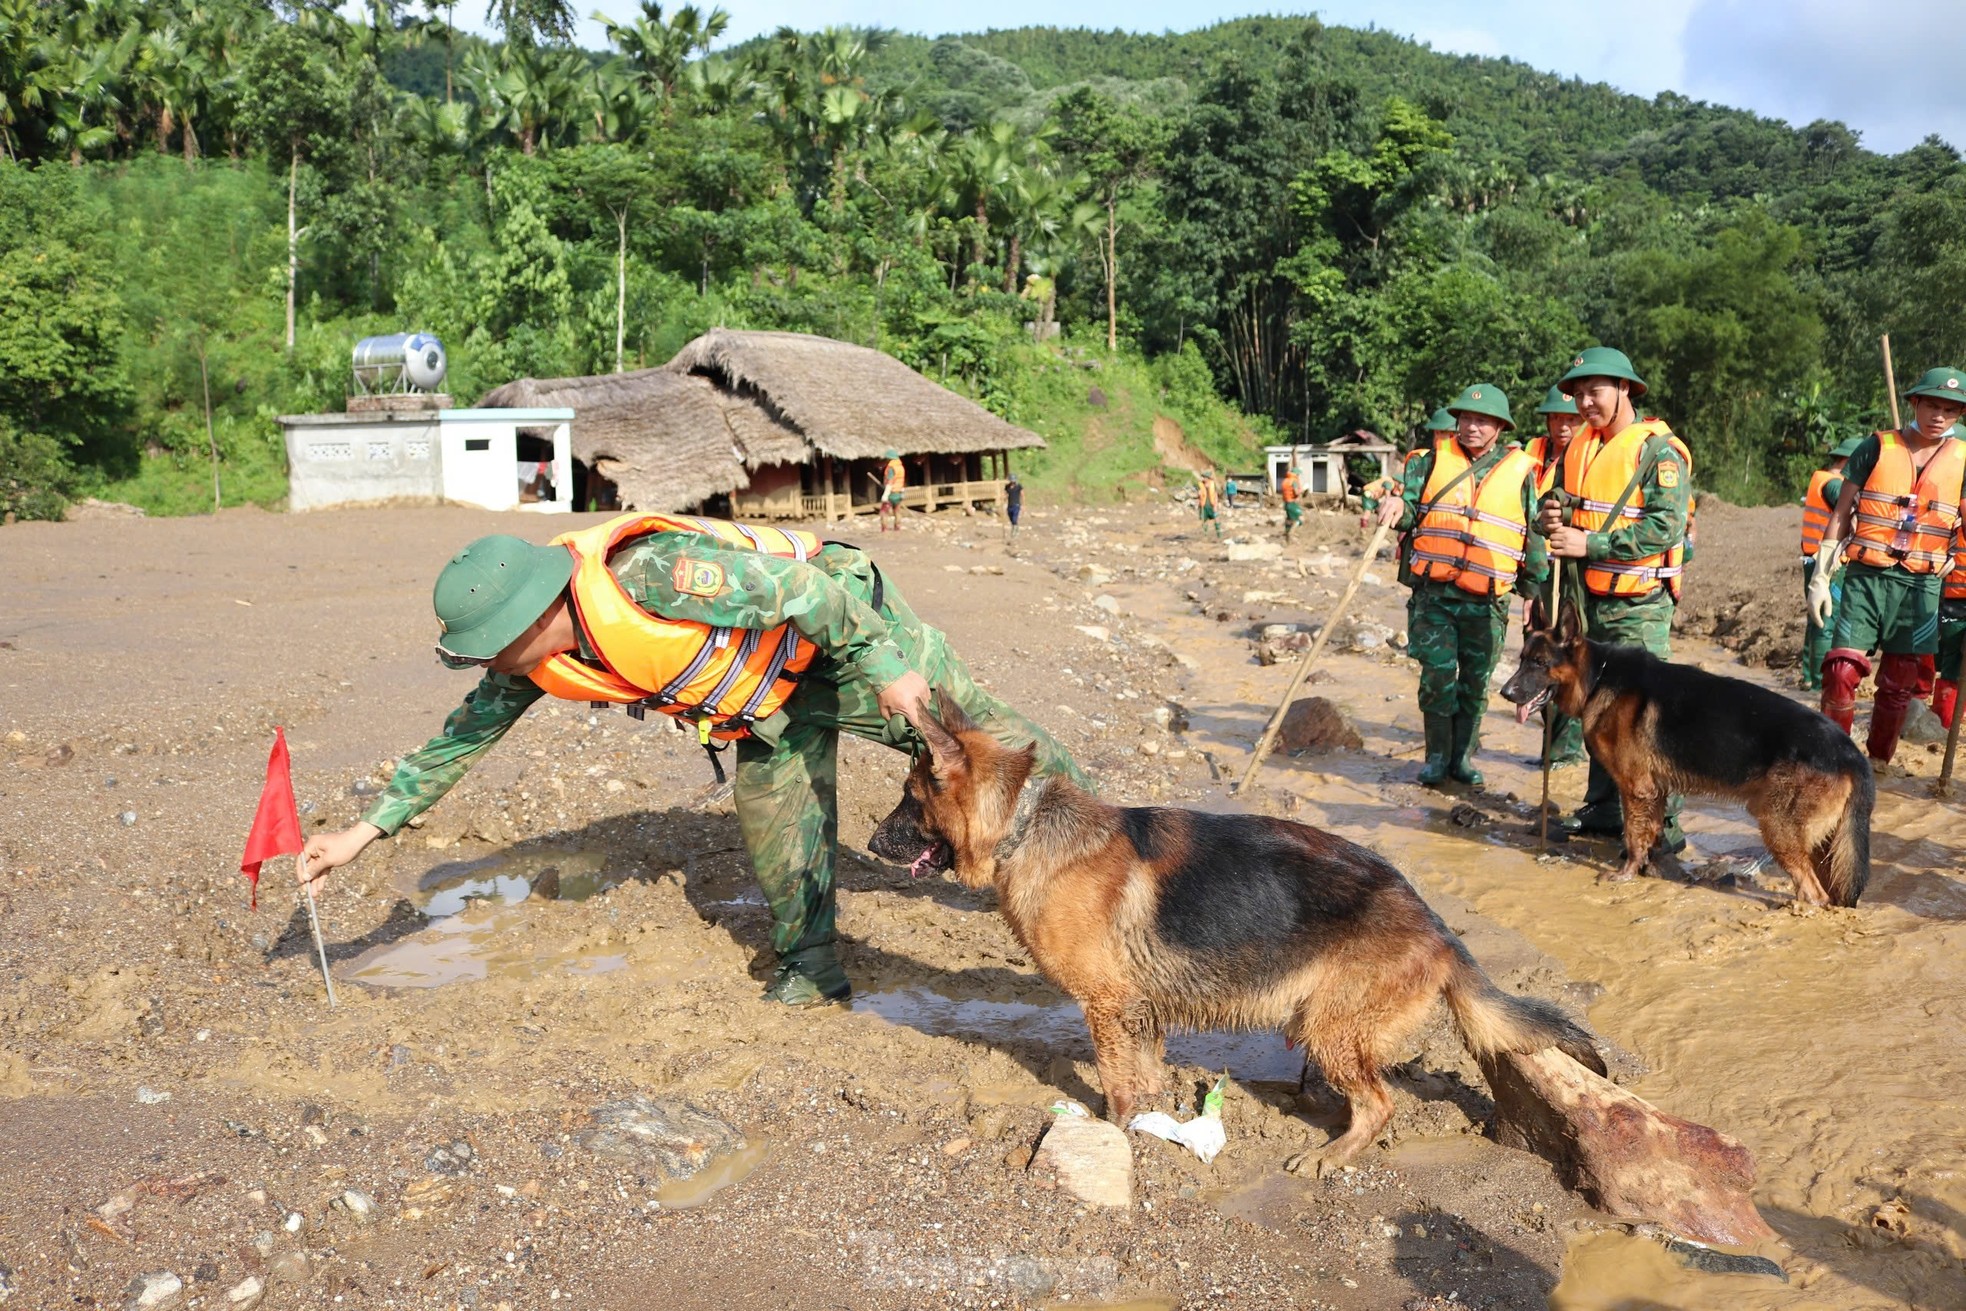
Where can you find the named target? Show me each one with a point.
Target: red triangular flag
(276, 824)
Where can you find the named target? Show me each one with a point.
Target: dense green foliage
(203, 205)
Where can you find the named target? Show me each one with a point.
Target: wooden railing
(928, 498)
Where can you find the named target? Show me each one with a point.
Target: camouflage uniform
(1645, 621)
(1456, 636)
(786, 782)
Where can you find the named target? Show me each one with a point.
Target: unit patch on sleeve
(698, 577)
(1668, 474)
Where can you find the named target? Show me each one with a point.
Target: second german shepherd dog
(1661, 728)
(1159, 918)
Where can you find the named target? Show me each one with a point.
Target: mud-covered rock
(1922, 726)
(1316, 726)
(669, 1136)
(1627, 1157)
(1091, 1159)
(153, 1292)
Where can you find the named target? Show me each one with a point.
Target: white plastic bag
(1203, 1135)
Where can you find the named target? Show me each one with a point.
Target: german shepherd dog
(1157, 918)
(1661, 728)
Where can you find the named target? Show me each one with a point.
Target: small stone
(1246, 551)
(152, 1292)
(955, 1147)
(289, 1268)
(293, 1222)
(1107, 603)
(151, 1097)
(127, 818)
(1315, 725)
(666, 1135)
(1095, 632)
(1091, 1158)
(451, 1158)
(246, 1294)
(359, 1206)
(362, 787)
(263, 1243)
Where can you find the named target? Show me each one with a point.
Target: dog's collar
(1028, 797)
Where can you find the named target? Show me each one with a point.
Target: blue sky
(1889, 68)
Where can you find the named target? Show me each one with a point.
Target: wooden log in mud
(1627, 1157)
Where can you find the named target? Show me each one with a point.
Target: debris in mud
(153, 1292)
(151, 1097)
(1280, 642)
(675, 1138)
(1243, 551)
(1698, 1256)
(1922, 726)
(1626, 1156)
(246, 1294)
(1090, 1158)
(1313, 724)
(358, 1206)
(451, 1158)
(1466, 816)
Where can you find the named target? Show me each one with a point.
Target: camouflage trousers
(787, 788)
(1646, 622)
(1457, 637)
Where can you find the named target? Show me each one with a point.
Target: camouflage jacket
(1420, 469)
(823, 600)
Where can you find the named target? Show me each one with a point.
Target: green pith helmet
(1441, 422)
(493, 589)
(1846, 448)
(1555, 402)
(1940, 384)
(1483, 398)
(1601, 362)
(890, 454)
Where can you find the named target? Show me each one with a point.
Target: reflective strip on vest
(1477, 543)
(1595, 473)
(682, 667)
(1906, 518)
(1816, 511)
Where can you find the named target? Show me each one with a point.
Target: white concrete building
(500, 459)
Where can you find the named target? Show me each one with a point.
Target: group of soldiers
(1606, 493)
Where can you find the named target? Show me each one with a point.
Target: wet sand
(570, 925)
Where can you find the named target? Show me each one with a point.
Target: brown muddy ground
(569, 927)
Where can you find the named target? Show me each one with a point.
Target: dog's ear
(938, 728)
(1539, 615)
(1570, 624)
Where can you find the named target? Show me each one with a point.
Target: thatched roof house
(779, 423)
(849, 401)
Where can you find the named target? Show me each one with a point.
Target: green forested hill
(1324, 228)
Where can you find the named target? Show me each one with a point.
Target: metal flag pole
(314, 919)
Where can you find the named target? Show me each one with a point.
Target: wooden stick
(1310, 656)
(1943, 788)
(314, 918)
(1891, 383)
(1549, 721)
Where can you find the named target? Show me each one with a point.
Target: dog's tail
(1492, 1021)
(1848, 866)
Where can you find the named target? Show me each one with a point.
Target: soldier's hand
(906, 696)
(1570, 543)
(1390, 512)
(1549, 518)
(1820, 601)
(327, 851)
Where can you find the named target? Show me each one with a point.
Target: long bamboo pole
(1310, 657)
(1890, 382)
(1549, 719)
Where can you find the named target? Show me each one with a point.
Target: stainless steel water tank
(403, 361)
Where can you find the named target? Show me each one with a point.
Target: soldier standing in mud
(1818, 504)
(1616, 522)
(1291, 490)
(644, 610)
(1560, 424)
(1898, 516)
(894, 482)
(1468, 502)
(1208, 504)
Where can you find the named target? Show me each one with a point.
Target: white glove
(1820, 604)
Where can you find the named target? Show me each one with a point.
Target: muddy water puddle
(1060, 1026)
(472, 930)
(721, 1173)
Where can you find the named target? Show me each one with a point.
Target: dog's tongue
(920, 867)
(1522, 713)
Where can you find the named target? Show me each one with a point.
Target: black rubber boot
(1440, 747)
(809, 977)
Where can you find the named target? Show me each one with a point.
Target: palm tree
(534, 94)
(659, 49)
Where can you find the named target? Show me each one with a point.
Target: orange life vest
(1905, 517)
(1596, 472)
(1955, 588)
(725, 679)
(1538, 449)
(1287, 489)
(1816, 511)
(1472, 534)
(894, 478)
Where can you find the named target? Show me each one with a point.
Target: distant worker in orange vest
(1291, 490)
(1617, 517)
(894, 481)
(762, 636)
(1893, 527)
(1468, 502)
(1208, 503)
(1818, 503)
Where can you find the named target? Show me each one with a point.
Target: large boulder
(1090, 1158)
(1313, 724)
